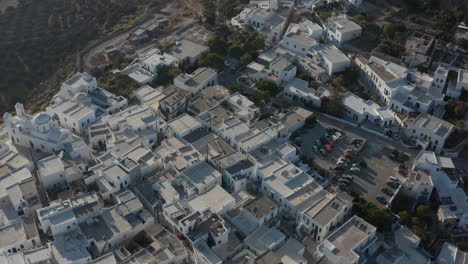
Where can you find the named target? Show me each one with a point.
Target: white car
(355, 170)
(395, 179)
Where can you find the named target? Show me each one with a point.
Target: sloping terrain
(38, 37)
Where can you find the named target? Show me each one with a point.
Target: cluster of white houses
(98, 174)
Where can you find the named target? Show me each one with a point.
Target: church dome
(41, 118)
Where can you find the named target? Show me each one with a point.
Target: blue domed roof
(41, 118)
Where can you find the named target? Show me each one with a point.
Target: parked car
(355, 170)
(316, 150)
(344, 187)
(395, 180)
(381, 199)
(345, 181)
(403, 172)
(387, 190)
(318, 143)
(393, 184)
(348, 177)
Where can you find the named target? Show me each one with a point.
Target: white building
(279, 70)
(450, 254)
(402, 90)
(366, 111)
(340, 30)
(114, 226)
(264, 239)
(299, 90)
(37, 132)
(236, 168)
(18, 192)
(149, 96)
(174, 103)
(451, 80)
(199, 178)
(187, 52)
(242, 107)
(196, 81)
(330, 58)
(182, 125)
(61, 216)
(429, 132)
(18, 235)
(300, 38)
(52, 172)
(165, 248)
(12, 159)
(347, 243)
(452, 213)
(86, 85)
(147, 65)
(317, 211)
(419, 185)
(81, 102)
(141, 120)
(75, 114)
(216, 200)
(269, 23)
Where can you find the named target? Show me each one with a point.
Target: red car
(403, 172)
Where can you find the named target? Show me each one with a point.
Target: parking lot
(371, 179)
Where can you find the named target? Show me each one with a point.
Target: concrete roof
(349, 236)
(183, 124)
(261, 206)
(438, 126)
(343, 24)
(50, 165)
(331, 53)
(216, 199)
(186, 49)
(201, 172)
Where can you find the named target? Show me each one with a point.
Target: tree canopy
(213, 60)
(267, 85)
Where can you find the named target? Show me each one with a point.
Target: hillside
(40, 37)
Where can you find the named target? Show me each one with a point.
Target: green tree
(213, 60)
(267, 85)
(260, 98)
(311, 121)
(119, 84)
(380, 217)
(334, 104)
(217, 44)
(391, 48)
(165, 76)
(246, 59)
(405, 217)
(209, 11)
(391, 29)
(234, 87)
(415, 221)
(422, 211)
(236, 51)
(421, 233)
(303, 76)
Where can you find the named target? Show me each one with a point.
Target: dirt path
(172, 9)
(4, 4)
